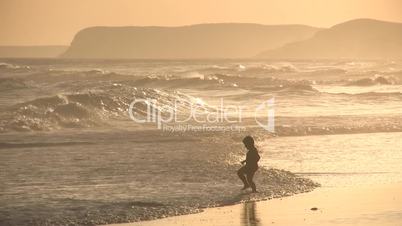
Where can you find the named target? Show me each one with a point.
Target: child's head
(248, 141)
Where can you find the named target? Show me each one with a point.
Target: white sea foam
(85, 159)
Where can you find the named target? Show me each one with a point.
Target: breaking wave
(222, 81)
(267, 68)
(80, 110)
(188, 80)
(12, 67)
(375, 80)
(253, 69)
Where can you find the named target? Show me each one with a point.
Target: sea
(90, 140)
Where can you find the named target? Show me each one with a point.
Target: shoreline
(365, 205)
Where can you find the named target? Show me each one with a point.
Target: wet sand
(358, 206)
(112, 176)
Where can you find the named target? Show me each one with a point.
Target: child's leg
(241, 172)
(250, 175)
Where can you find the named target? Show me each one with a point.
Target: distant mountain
(361, 38)
(226, 40)
(31, 51)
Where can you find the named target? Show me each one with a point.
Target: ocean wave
(195, 82)
(58, 75)
(96, 107)
(267, 68)
(297, 88)
(382, 96)
(375, 80)
(326, 71)
(7, 84)
(94, 71)
(252, 69)
(187, 80)
(328, 125)
(89, 109)
(12, 67)
(225, 82)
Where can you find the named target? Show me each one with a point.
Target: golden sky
(53, 22)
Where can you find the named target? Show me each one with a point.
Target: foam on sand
(150, 175)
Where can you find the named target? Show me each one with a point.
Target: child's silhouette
(251, 166)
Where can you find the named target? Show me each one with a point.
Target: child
(251, 166)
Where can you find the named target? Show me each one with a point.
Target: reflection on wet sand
(249, 217)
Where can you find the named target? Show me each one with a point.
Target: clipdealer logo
(151, 111)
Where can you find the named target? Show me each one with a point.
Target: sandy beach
(200, 113)
(357, 206)
(71, 154)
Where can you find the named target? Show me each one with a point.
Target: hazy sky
(52, 22)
